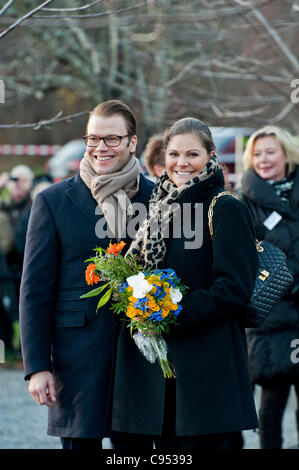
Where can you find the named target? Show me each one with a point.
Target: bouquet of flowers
(150, 300)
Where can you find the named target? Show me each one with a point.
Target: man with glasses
(68, 349)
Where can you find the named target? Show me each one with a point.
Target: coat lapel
(81, 196)
(262, 193)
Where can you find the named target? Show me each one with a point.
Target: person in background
(18, 184)
(225, 171)
(154, 156)
(7, 290)
(270, 188)
(211, 396)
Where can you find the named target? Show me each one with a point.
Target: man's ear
(133, 143)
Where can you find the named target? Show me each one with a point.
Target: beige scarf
(113, 192)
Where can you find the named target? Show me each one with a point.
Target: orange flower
(115, 248)
(90, 276)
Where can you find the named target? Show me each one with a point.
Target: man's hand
(42, 389)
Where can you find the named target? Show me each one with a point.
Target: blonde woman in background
(270, 187)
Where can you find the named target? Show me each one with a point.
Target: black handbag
(273, 278)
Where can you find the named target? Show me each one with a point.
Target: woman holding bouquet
(211, 396)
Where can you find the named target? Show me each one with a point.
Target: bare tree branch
(283, 113)
(167, 59)
(96, 15)
(25, 17)
(236, 114)
(245, 76)
(44, 122)
(277, 39)
(87, 45)
(9, 3)
(84, 7)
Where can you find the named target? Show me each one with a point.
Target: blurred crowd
(18, 188)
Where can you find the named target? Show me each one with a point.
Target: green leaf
(105, 298)
(94, 292)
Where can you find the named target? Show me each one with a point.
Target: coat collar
(145, 189)
(204, 190)
(295, 191)
(81, 196)
(259, 191)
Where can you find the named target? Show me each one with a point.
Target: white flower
(176, 295)
(140, 285)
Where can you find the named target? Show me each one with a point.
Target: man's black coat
(60, 332)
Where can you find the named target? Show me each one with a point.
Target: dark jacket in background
(60, 332)
(270, 345)
(16, 213)
(209, 352)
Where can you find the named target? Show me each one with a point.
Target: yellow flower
(146, 314)
(164, 312)
(173, 307)
(167, 304)
(133, 312)
(130, 289)
(132, 299)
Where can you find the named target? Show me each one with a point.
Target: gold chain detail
(211, 209)
(210, 216)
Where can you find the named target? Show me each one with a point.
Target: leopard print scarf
(149, 245)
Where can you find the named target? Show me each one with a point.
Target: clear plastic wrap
(153, 348)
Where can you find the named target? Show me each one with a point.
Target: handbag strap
(211, 212)
(211, 209)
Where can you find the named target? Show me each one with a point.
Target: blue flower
(177, 311)
(156, 316)
(123, 286)
(169, 272)
(160, 292)
(140, 303)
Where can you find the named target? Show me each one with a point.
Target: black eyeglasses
(109, 140)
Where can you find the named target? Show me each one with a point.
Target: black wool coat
(269, 346)
(60, 332)
(208, 350)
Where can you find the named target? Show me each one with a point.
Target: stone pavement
(23, 423)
